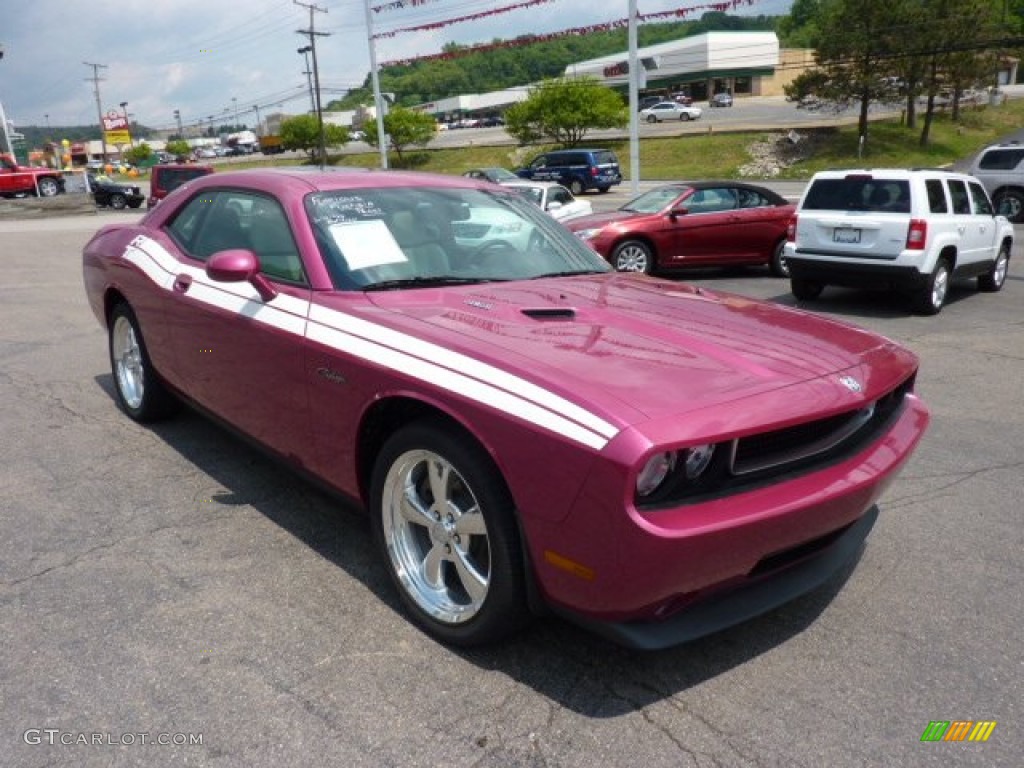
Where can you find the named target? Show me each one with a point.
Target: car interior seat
(419, 243)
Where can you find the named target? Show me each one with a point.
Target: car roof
(891, 173)
(529, 184)
(302, 180)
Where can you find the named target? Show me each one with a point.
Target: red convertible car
(694, 224)
(528, 429)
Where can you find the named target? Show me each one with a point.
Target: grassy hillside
(722, 155)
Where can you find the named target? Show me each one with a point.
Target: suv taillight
(791, 229)
(595, 171)
(917, 235)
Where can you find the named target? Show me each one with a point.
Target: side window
(222, 227)
(185, 225)
(272, 240)
(958, 193)
(1001, 159)
(540, 162)
(712, 200)
(980, 202)
(558, 195)
(936, 196)
(749, 198)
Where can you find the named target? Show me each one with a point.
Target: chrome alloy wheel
(1002, 264)
(940, 285)
(436, 536)
(632, 257)
(127, 355)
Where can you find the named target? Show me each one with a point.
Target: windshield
(383, 238)
(654, 201)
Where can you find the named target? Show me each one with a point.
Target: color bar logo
(958, 730)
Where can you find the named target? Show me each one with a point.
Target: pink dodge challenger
(528, 430)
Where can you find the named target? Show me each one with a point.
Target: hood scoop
(550, 313)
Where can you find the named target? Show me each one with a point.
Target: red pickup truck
(18, 180)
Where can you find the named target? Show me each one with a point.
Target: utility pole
(96, 80)
(378, 100)
(257, 108)
(177, 118)
(313, 35)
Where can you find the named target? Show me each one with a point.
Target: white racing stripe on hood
(391, 349)
(468, 366)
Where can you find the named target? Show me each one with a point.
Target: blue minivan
(577, 169)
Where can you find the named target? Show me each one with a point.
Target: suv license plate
(846, 235)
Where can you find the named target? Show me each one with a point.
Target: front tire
(996, 276)
(684, 117)
(652, 119)
(805, 290)
(633, 256)
(140, 393)
(444, 522)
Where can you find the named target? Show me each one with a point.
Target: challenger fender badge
(851, 384)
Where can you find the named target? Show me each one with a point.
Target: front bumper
(656, 578)
(727, 607)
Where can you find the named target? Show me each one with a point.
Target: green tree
(405, 127)
(179, 148)
(139, 154)
(303, 133)
(564, 110)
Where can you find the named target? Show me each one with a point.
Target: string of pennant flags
(677, 13)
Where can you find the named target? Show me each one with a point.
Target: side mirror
(681, 211)
(554, 205)
(239, 265)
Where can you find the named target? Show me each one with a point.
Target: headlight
(657, 468)
(587, 234)
(672, 472)
(697, 459)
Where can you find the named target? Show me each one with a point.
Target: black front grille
(758, 460)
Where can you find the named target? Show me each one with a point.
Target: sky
(225, 57)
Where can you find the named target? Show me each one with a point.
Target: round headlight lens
(654, 473)
(698, 458)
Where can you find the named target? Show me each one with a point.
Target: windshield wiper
(571, 273)
(422, 282)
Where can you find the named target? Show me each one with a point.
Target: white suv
(910, 230)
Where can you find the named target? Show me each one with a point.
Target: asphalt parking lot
(171, 584)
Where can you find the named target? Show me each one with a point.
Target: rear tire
(993, 281)
(48, 187)
(932, 297)
(140, 393)
(118, 201)
(576, 187)
(685, 117)
(778, 265)
(805, 290)
(1010, 203)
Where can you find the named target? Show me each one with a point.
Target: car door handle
(182, 283)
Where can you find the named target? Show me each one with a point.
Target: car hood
(635, 349)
